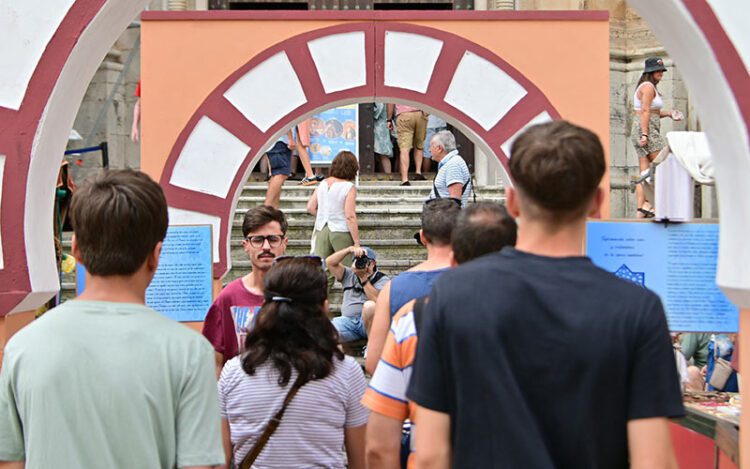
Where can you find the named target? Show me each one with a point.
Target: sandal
(646, 213)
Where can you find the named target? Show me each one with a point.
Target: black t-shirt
(541, 361)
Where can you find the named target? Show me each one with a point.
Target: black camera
(361, 262)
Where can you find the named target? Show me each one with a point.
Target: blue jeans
(350, 328)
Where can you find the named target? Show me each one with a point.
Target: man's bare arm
(433, 439)
(379, 330)
(383, 441)
(333, 262)
(650, 444)
(12, 464)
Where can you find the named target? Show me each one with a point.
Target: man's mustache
(266, 254)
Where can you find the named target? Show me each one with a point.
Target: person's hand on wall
(134, 137)
(135, 134)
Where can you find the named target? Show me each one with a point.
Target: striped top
(452, 169)
(311, 433)
(386, 393)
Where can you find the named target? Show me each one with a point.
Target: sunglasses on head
(313, 260)
(452, 199)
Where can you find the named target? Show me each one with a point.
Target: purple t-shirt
(229, 318)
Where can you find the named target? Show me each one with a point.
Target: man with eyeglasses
(453, 178)
(233, 312)
(362, 283)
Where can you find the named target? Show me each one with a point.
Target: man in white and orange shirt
(480, 229)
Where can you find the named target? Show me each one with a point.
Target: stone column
(177, 5)
(502, 5)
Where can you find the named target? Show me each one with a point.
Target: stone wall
(631, 42)
(109, 122)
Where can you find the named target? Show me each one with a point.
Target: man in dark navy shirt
(533, 357)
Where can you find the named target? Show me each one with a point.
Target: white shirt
(657, 103)
(331, 206)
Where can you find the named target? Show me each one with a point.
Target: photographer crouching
(362, 283)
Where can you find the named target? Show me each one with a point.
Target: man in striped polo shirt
(480, 229)
(453, 178)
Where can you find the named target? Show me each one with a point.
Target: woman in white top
(294, 346)
(645, 135)
(334, 204)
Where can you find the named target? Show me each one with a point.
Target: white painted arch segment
(538, 119)
(733, 15)
(410, 60)
(483, 91)
(340, 60)
(51, 136)
(178, 216)
(209, 160)
(2, 170)
(727, 133)
(267, 92)
(27, 29)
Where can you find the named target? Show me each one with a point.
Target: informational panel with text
(677, 261)
(182, 288)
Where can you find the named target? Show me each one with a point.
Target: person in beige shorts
(411, 124)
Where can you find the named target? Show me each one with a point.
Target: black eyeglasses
(314, 260)
(455, 200)
(258, 241)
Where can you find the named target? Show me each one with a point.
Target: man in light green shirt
(104, 381)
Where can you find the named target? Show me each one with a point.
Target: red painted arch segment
(491, 99)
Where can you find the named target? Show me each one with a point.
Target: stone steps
(388, 249)
(388, 216)
(368, 229)
(372, 202)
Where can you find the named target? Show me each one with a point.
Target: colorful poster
(677, 261)
(333, 131)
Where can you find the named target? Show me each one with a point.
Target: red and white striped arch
(356, 62)
(55, 46)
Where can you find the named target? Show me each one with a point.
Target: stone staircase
(388, 217)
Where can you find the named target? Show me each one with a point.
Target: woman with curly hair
(293, 375)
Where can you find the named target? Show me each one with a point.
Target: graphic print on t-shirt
(244, 318)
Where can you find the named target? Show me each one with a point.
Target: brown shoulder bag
(271, 427)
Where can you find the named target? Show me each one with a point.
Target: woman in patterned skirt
(646, 135)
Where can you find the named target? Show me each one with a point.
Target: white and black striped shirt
(311, 433)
